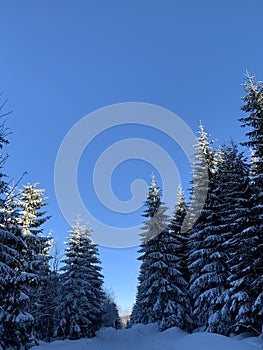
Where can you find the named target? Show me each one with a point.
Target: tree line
(39, 300)
(202, 269)
(206, 273)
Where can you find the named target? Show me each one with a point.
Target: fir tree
(32, 218)
(178, 311)
(202, 245)
(81, 306)
(15, 321)
(19, 321)
(253, 106)
(203, 168)
(231, 204)
(156, 222)
(162, 290)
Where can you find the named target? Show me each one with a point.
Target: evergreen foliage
(81, 306)
(253, 106)
(110, 317)
(37, 253)
(201, 244)
(180, 315)
(15, 321)
(156, 222)
(232, 201)
(202, 269)
(162, 291)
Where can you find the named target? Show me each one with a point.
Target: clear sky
(61, 60)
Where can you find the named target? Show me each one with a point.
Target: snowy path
(146, 337)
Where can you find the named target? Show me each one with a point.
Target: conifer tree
(178, 310)
(37, 255)
(156, 222)
(15, 321)
(253, 106)
(232, 194)
(203, 168)
(176, 228)
(200, 245)
(230, 212)
(32, 218)
(110, 317)
(162, 290)
(81, 306)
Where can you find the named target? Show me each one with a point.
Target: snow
(144, 337)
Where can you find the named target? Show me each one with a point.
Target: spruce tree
(37, 255)
(231, 206)
(162, 291)
(156, 221)
(32, 218)
(81, 306)
(178, 310)
(253, 106)
(203, 168)
(15, 321)
(201, 245)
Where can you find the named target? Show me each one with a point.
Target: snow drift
(144, 337)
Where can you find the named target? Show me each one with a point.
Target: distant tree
(81, 306)
(56, 253)
(110, 317)
(125, 320)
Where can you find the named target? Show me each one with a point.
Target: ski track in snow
(141, 337)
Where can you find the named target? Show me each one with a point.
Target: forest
(201, 269)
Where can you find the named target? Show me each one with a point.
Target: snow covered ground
(142, 337)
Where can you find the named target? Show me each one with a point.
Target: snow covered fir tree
(231, 198)
(181, 315)
(201, 269)
(80, 308)
(222, 239)
(162, 291)
(253, 106)
(37, 254)
(156, 222)
(206, 263)
(15, 321)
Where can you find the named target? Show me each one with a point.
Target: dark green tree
(156, 221)
(81, 306)
(201, 244)
(178, 311)
(253, 106)
(37, 254)
(15, 322)
(162, 290)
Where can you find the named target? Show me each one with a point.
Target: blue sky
(61, 60)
